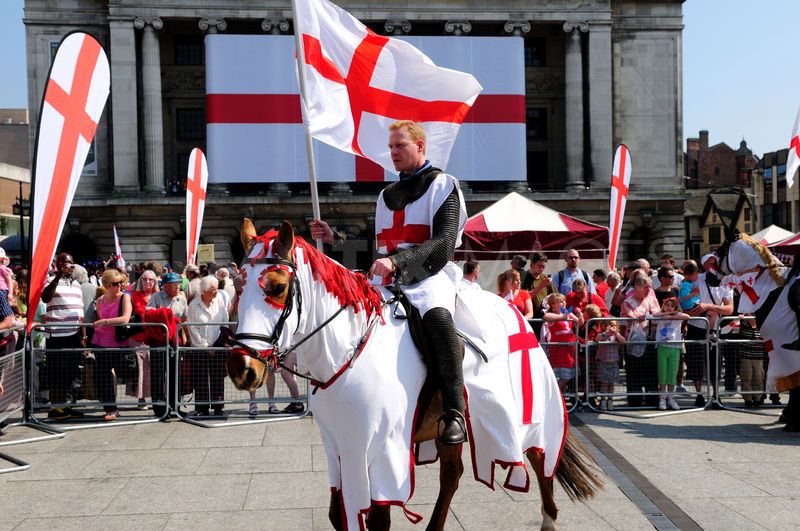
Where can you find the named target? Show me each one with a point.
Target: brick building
(718, 165)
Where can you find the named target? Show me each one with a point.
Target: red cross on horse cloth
(358, 83)
(620, 182)
(196, 182)
(74, 97)
(524, 341)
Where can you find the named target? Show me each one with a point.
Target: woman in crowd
(113, 308)
(640, 359)
(509, 285)
(145, 287)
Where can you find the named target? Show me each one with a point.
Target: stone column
(152, 115)
(124, 107)
(573, 72)
(600, 103)
(457, 27)
(212, 25)
(275, 26)
(517, 28)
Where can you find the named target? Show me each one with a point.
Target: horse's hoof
(548, 523)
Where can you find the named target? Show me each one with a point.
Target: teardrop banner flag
(74, 97)
(620, 182)
(793, 159)
(196, 182)
(118, 249)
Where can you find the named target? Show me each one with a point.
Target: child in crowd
(560, 325)
(690, 290)
(609, 340)
(668, 340)
(6, 283)
(751, 368)
(588, 335)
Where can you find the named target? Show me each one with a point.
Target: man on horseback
(418, 222)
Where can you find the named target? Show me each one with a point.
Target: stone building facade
(598, 73)
(718, 165)
(777, 204)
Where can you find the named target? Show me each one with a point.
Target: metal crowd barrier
(13, 396)
(87, 383)
(204, 386)
(572, 391)
(743, 364)
(637, 380)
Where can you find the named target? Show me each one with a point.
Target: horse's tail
(577, 470)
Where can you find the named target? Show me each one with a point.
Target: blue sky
(741, 72)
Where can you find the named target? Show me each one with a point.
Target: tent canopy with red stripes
(785, 249)
(516, 225)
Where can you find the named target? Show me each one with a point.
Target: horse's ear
(284, 243)
(247, 234)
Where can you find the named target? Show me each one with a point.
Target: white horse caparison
(372, 400)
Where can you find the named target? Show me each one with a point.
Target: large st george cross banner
(255, 130)
(620, 183)
(74, 97)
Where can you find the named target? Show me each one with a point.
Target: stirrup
(453, 436)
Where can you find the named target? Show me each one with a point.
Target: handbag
(130, 329)
(637, 334)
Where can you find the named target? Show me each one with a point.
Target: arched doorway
(81, 247)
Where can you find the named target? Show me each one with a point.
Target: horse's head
(744, 261)
(266, 307)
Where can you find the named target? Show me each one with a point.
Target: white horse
(761, 280)
(371, 398)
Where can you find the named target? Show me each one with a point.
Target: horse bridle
(275, 356)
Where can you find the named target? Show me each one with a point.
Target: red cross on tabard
(524, 340)
(399, 232)
(365, 98)
(77, 123)
(618, 182)
(198, 194)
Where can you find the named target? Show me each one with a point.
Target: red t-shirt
(561, 356)
(519, 300)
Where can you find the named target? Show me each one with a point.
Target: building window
(538, 177)
(716, 171)
(747, 214)
(189, 53)
(190, 124)
(714, 236)
(183, 167)
(536, 123)
(535, 52)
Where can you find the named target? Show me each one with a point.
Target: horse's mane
(350, 289)
(770, 262)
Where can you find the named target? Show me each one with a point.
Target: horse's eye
(277, 290)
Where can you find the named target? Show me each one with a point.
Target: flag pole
(312, 167)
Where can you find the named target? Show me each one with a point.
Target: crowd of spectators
(97, 336)
(667, 317)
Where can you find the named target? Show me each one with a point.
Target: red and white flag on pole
(118, 249)
(360, 82)
(74, 97)
(793, 160)
(196, 182)
(620, 182)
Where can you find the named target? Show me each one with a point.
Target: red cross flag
(793, 160)
(359, 82)
(74, 97)
(196, 182)
(620, 181)
(118, 249)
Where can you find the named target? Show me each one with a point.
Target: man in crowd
(571, 273)
(518, 264)
(471, 271)
(64, 301)
(422, 267)
(170, 296)
(192, 289)
(669, 261)
(599, 278)
(537, 283)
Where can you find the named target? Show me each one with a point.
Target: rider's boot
(794, 303)
(447, 364)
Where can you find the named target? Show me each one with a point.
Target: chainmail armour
(420, 262)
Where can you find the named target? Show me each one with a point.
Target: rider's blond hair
(415, 130)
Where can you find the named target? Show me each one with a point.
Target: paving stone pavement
(724, 470)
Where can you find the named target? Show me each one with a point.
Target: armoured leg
(447, 366)
(794, 303)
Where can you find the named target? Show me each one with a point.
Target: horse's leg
(335, 510)
(379, 518)
(549, 507)
(450, 469)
